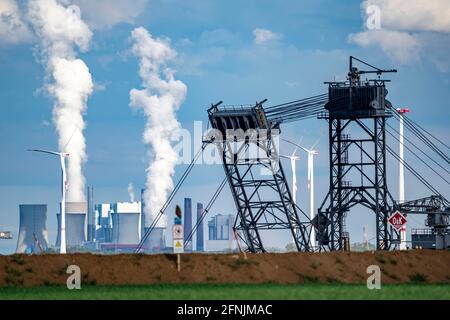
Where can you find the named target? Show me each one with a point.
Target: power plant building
(76, 226)
(103, 223)
(33, 237)
(220, 233)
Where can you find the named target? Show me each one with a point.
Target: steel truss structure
(256, 178)
(357, 164)
(437, 209)
(355, 181)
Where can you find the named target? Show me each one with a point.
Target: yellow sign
(178, 246)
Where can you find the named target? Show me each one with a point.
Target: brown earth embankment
(287, 268)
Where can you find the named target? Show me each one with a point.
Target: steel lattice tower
(258, 183)
(357, 163)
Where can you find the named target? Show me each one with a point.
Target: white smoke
(61, 31)
(131, 191)
(160, 98)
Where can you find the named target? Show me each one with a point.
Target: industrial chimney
(33, 237)
(200, 241)
(187, 223)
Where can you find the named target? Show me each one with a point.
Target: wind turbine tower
(62, 157)
(293, 158)
(311, 153)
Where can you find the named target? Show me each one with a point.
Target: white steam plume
(131, 191)
(160, 98)
(61, 31)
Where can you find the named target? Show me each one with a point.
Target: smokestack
(125, 217)
(61, 32)
(76, 227)
(160, 97)
(33, 236)
(187, 222)
(200, 241)
(142, 213)
(91, 214)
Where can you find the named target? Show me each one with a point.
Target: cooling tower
(33, 236)
(156, 239)
(126, 222)
(76, 227)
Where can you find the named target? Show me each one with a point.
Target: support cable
(413, 171)
(423, 161)
(416, 131)
(210, 203)
(419, 149)
(171, 196)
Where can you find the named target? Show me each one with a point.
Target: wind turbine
(62, 156)
(311, 153)
(293, 158)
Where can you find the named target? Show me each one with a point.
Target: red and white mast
(401, 175)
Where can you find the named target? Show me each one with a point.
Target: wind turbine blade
(293, 153)
(322, 132)
(44, 151)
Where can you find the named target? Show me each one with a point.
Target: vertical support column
(401, 175)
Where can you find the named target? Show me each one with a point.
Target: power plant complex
(115, 227)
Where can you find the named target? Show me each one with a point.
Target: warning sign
(177, 232)
(178, 246)
(397, 220)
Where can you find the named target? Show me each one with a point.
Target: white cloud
(410, 30)
(401, 47)
(13, 30)
(413, 15)
(263, 36)
(104, 14)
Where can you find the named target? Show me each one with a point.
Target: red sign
(397, 220)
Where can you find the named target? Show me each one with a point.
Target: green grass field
(229, 291)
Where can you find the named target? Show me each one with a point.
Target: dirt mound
(332, 267)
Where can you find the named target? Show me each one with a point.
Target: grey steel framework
(357, 164)
(258, 183)
(437, 209)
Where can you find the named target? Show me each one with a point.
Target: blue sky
(218, 59)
